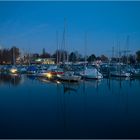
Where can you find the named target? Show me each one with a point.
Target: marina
(70, 69)
(38, 107)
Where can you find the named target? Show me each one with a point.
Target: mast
(57, 48)
(112, 52)
(119, 52)
(85, 46)
(13, 55)
(127, 48)
(64, 41)
(119, 57)
(29, 59)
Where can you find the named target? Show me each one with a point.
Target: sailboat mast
(13, 56)
(119, 51)
(112, 52)
(127, 48)
(57, 48)
(85, 46)
(64, 39)
(29, 59)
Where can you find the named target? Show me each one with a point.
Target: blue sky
(32, 26)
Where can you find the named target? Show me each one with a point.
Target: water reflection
(119, 81)
(70, 87)
(31, 77)
(109, 108)
(13, 79)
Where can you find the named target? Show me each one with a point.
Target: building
(43, 61)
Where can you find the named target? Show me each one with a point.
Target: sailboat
(56, 70)
(68, 75)
(90, 72)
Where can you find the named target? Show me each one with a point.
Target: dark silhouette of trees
(75, 56)
(91, 58)
(124, 59)
(5, 56)
(132, 59)
(72, 57)
(14, 54)
(138, 56)
(60, 56)
(35, 55)
(128, 59)
(104, 58)
(45, 55)
(0, 56)
(9, 56)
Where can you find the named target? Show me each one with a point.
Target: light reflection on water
(38, 108)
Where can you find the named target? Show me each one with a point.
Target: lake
(37, 108)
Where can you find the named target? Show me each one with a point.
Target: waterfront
(37, 108)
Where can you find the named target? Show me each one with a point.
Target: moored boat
(120, 74)
(32, 70)
(69, 76)
(91, 73)
(118, 70)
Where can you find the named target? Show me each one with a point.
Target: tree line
(10, 56)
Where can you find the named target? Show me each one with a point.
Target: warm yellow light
(13, 70)
(49, 75)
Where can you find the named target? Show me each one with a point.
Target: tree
(60, 56)
(138, 56)
(6, 56)
(45, 55)
(35, 55)
(0, 56)
(104, 58)
(124, 59)
(81, 58)
(14, 54)
(72, 57)
(91, 58)
(57, 56)
(98, 58)
(132, 59)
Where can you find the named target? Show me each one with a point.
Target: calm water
(32, 108)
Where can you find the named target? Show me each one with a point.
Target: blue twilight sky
(32, 26)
